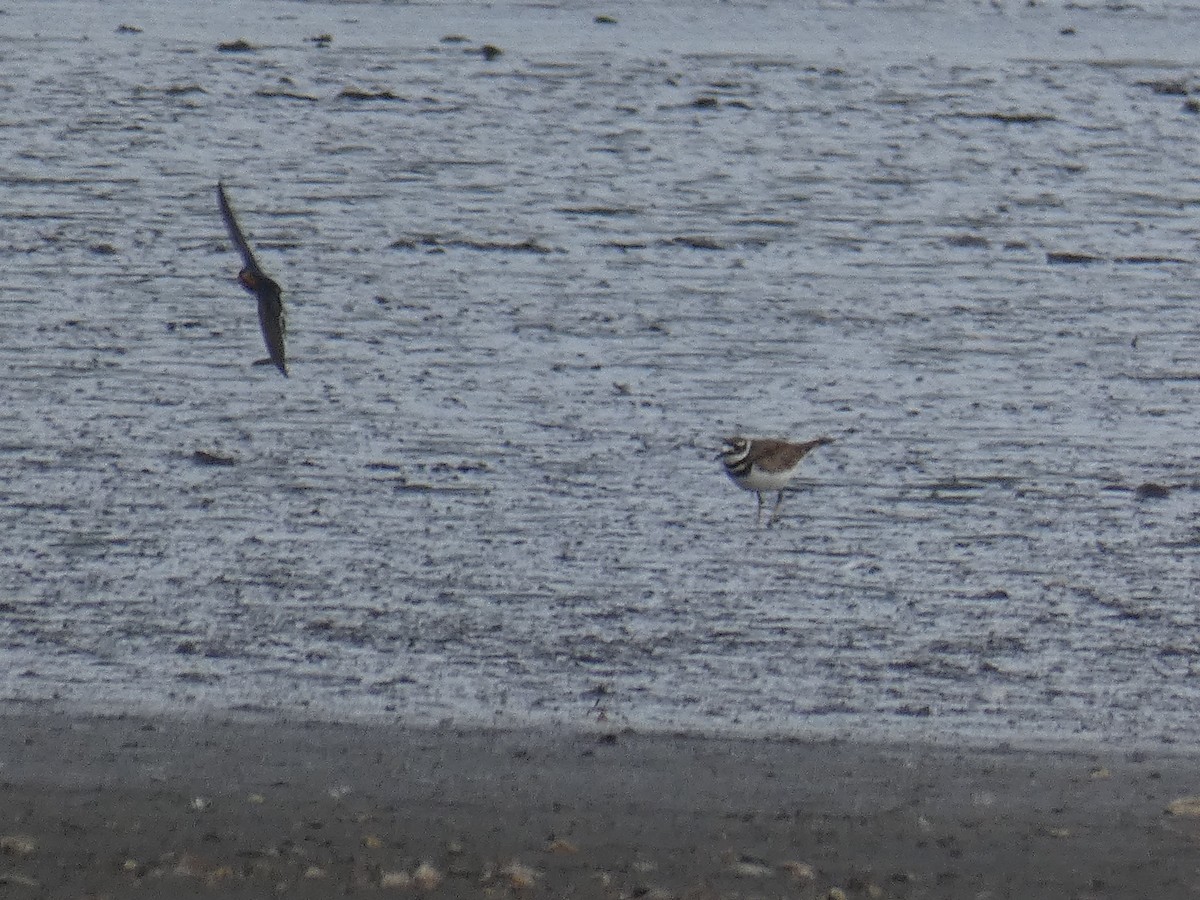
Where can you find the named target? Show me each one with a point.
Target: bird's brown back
(774, 455)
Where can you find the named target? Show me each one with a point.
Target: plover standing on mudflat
(264, 289)
(765, 464)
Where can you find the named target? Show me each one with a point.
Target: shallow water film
(529, 289)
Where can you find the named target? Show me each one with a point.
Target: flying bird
(265, 290)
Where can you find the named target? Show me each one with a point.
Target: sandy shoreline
(121, 806)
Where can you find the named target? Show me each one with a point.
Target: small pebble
(799, 870)
(19, 880)
(426, 877)
(1184, 806)
(1152, 491)
(18, 845)
(745, 868)
(239, 46)
(395, 880)
(520, 877)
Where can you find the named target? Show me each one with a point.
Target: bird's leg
(775, 512)
(758, 515)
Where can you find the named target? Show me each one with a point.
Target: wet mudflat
(528, 294)
(210, 807)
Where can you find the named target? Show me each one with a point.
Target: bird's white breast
(758, 480)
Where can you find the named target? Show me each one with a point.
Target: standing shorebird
(266, 290)
(765, 464)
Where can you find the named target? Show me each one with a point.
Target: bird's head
(734, 449)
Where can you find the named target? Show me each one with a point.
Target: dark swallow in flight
(254, 280)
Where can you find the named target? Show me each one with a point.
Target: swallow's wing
(270, 318)
(235, 233)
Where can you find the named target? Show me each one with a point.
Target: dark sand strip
(131, 807)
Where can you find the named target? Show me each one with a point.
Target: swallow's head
(258, 284)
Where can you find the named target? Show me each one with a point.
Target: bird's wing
(761, 448)
(803, 449)
(271, 320)
(787, 452)
(235, 233)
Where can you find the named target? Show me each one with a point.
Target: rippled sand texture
(527, 295)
